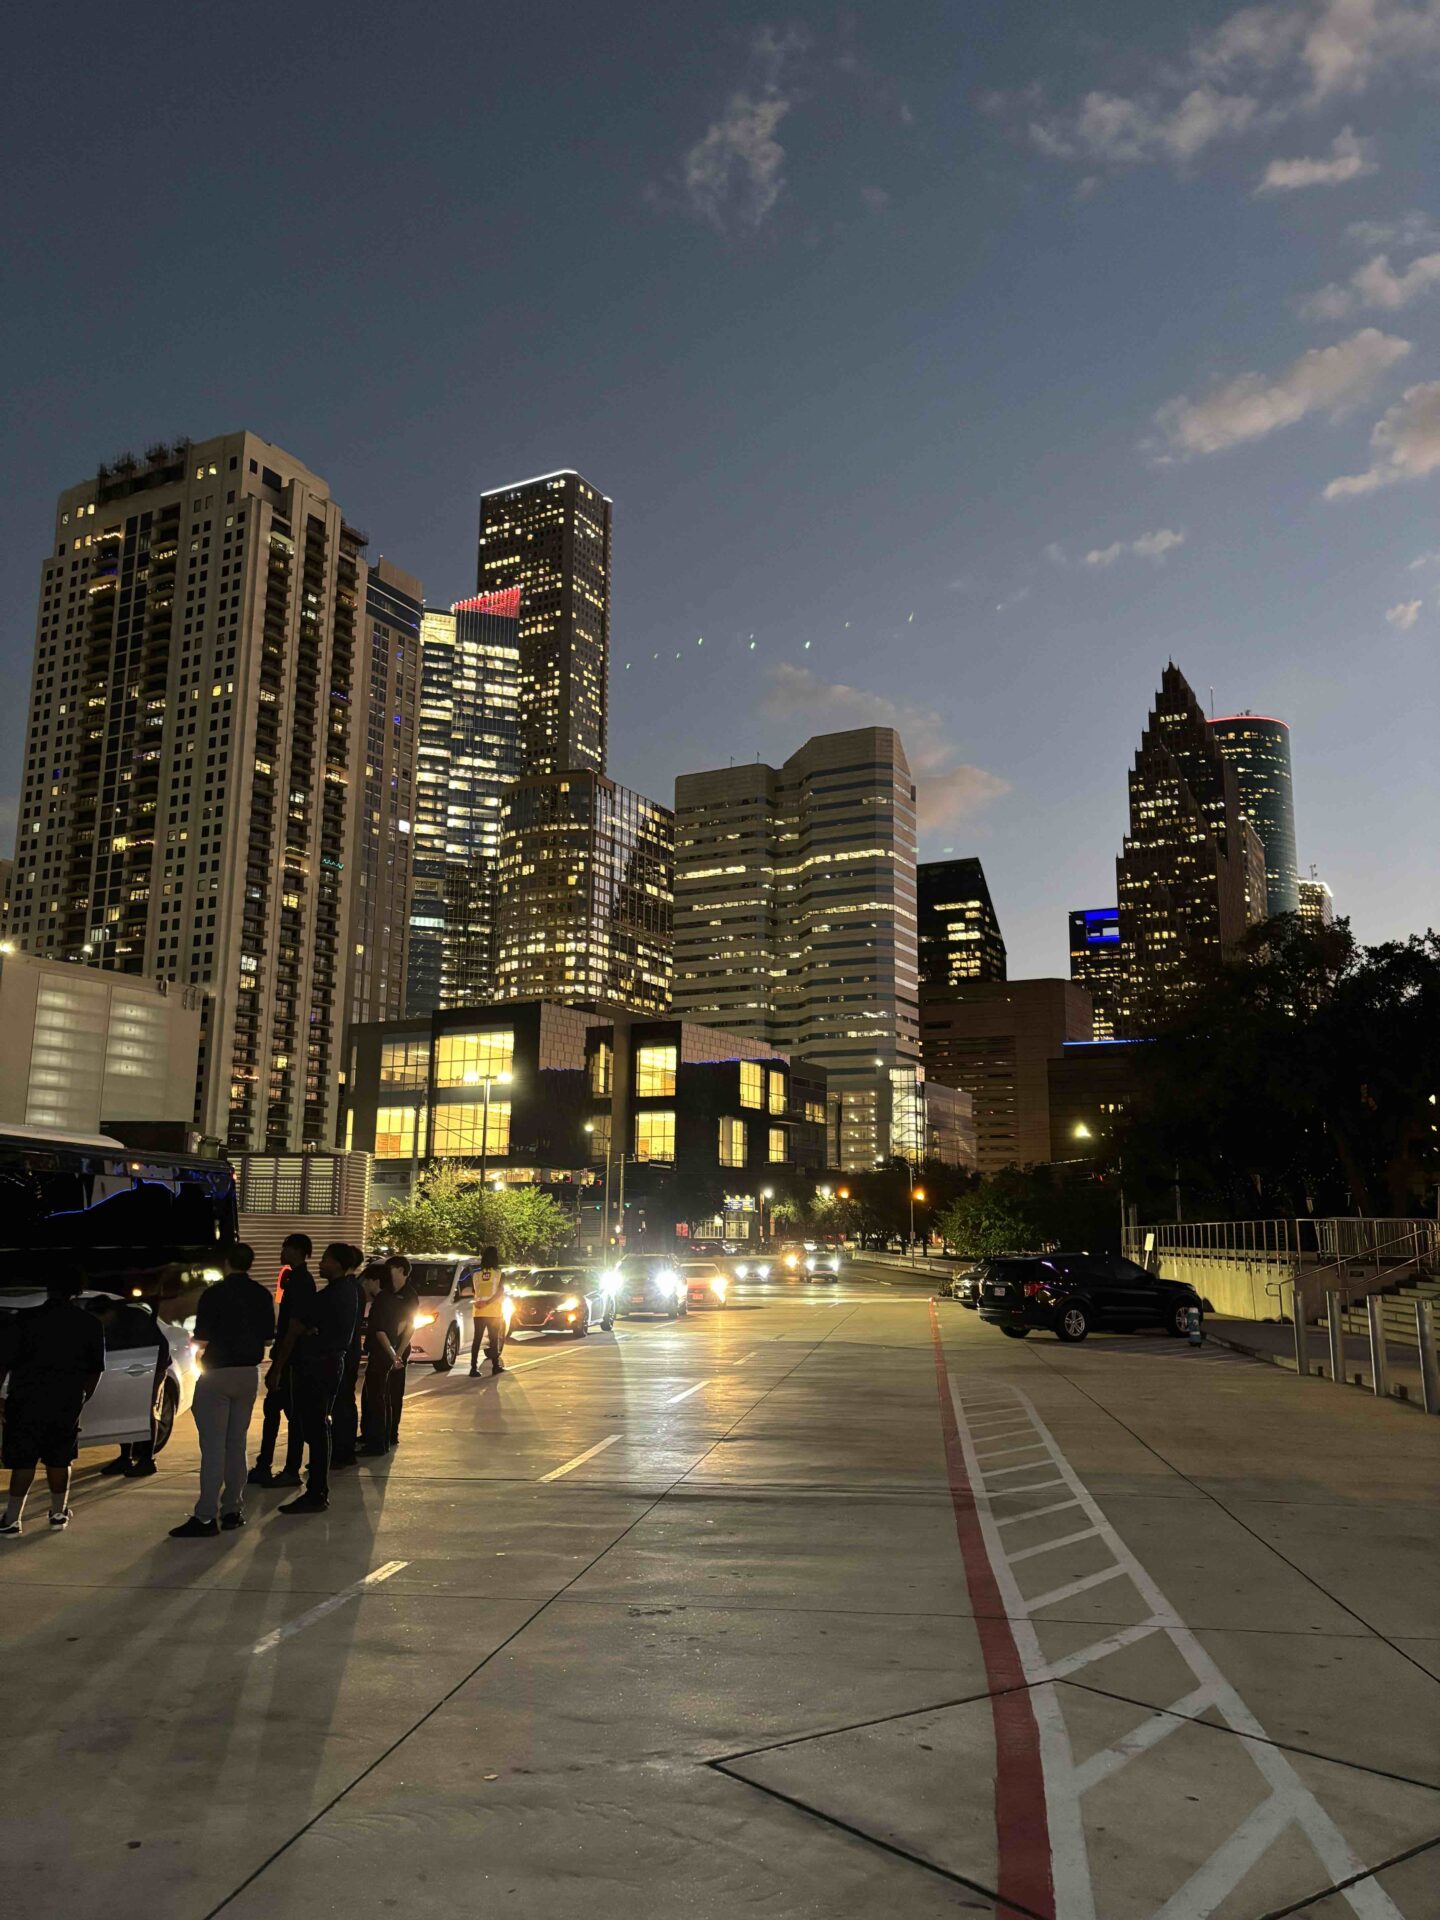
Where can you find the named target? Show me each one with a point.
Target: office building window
(398, 1133)
(778, 1149)
(655, 1136)
(752, 1084)
(602, 1067)
(655, 1072)
(777, 1090)
(470, 1059)
(732, 1143)
(460, 1129)
(597, 1140)
(405, 1063)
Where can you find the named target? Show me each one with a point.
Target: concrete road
(832, 1604)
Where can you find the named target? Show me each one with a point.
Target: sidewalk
(1275, 1341)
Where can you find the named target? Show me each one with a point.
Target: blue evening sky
(974, 358)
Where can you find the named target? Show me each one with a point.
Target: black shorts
(40, 1433)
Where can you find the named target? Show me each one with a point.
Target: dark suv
(1072, 1292)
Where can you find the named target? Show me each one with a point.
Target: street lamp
(491, 1080)
(1081, 1132)
(916, 1193)
(766, 1193)
(605, 1230)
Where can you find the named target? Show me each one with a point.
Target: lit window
(469, 1059)
(752, 1084)
(395, 1133)
(778, 1150)
(403, 1063)
(602, 1066)
(777, 1090)
(655, 1136)
(460, 1129)
(732, 1143)
(655, 1072)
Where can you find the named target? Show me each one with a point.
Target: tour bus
(140, 1222)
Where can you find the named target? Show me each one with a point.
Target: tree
(453, 1214)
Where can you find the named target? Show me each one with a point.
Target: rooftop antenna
(1212, 703)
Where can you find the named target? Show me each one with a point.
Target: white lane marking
(1148, 1734)
(744, 1357)
(1049, 1546)
(272, 1640)
(580, 1458)
(1004, 1453)
(676, 1398)
(1289, 1802)
(1035, 1513)
(1072, 1587)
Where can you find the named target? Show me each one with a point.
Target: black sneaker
(307, 1503)
(61, 1519)
(120, 1464)
(140, 1469)
(10, 1529)
(194, 1529)
(287, 1477)
(260, 1477)
(230, 1521)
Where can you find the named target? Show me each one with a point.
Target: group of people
(324, 1324)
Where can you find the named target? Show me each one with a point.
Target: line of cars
(1073, 1294)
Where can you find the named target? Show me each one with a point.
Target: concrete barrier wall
(1236, 1288)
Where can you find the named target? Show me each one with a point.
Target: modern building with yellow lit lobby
(640, 1123)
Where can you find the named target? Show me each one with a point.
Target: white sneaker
(61, 1519)
(10, 1529)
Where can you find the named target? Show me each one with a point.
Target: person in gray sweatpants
(234, 1324)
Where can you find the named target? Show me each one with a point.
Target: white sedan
(135, 1399)
(444, 1318)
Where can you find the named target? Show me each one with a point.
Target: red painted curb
(1022, 1828)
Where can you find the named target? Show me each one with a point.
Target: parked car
(1071, 1293)
(562, 1300)
(443, 1319)
(964, 1286)
(706, 1283)
(649, 1283)
(135, 1400)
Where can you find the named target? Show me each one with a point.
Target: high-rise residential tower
(585, 897)
(195, 755)
(469, 754)
(1191, 878)
(1258, 748)
(550, 537)
(958, 935)
(795, 921)
(384, 819)
(1095, 964)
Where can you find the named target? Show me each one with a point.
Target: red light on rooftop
(506, 603)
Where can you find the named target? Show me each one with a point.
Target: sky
(950, 366)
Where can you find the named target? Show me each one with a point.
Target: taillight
(1032, 1289)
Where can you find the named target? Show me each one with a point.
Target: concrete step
(1397, 1310)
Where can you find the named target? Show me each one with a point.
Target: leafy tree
(452, 1214)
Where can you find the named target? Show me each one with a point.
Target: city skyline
(937, 496)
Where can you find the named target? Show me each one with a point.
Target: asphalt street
(834, 1603)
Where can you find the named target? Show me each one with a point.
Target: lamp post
(605, 1227)
(491, 1080)
(766, 1193)
(916, 1193)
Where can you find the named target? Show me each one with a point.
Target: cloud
(1348, 161)
(1405, 444)
(948, 793)
(1326, 379)
(734, 174)
(1057, 555)
(1409, 231)
(1149, 546)
(1404, 616)
(1121, 131)
(1320, 49)
(1376, 284)
(1422, 560)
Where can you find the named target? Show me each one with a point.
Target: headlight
(507, 1309)
(567, 1306)
(718, 1285)
(791, 1260)
(667, 1277)
(762, 1273)
(742, 1271)
(423, 1320)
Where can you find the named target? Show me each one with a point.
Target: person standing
(128, 1325)
(297, 1291)
(234, 1324)
(316, 1345)
(489, 1312)
(345, 1416)
(53, 1357)
(387, 1346)
(400, 1271)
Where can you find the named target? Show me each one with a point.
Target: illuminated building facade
(1191, 877)
(585, 895)
(1095, 964)
(384, 819)
(469, 753)
(1317, 903)
(795, 921)
(1258, 748)
(995, 1039)
(957, 933)
(550, 538)
(194, 760)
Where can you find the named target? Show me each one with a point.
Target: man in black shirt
(297, 1291)
(53, 1356)
(234, 1323)
(387, 1346)
(317, 1343)
(345, 1414)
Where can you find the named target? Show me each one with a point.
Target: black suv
(1072, 1292)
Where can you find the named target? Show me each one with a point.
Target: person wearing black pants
(489, 1312)
(400, 1280)
(297, 1290)
(345, 1414)
(387, 1346)
(318, 1344)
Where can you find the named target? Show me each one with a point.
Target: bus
(143, 1223)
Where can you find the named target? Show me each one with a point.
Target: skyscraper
(1191, 877)
(197, 731)
(469, 754)
(384, 819)
(1095, 964)
(550, 537)
(1317, 903)
(585, 897)
(795, 920)
(1258, 748)
(958, 935)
